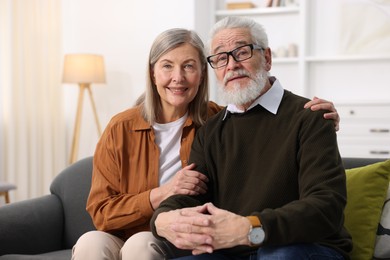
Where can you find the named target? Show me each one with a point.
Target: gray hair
(150, 101)
(259, 36)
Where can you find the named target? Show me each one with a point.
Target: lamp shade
(83, 68)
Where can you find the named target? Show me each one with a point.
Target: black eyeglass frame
(251, 45)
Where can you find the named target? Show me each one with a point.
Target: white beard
(240, 95)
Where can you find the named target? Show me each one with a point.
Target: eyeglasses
(239, 54)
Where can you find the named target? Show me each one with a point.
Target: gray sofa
(48, 227)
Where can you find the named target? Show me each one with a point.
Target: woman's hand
(186, 181)
(322, 104)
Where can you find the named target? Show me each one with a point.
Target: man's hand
(203, 229)
(226, 230)
(185, 228)
(322, 104)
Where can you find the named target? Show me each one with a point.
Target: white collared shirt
(270, 100)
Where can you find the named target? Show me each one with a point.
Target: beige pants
(100, 245)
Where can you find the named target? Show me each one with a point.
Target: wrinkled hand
(203, 229)
(226, 230)
(322, 104)
(185, 228)
(186, 182)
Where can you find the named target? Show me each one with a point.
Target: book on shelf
(244, 4)
(239, 5)
(268, 3)
(276, 3)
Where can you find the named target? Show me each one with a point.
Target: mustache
(233, 74)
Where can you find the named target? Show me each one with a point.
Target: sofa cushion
(57, 255)
(366, 192)
(382, 245)
(31, 226)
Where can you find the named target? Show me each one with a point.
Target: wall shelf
(258, 11)
(325, 67)
(285, 60)
(342, 58)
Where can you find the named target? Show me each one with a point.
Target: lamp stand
(76, 132)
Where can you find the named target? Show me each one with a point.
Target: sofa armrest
(31, 226)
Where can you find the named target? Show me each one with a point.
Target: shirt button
(184, 161)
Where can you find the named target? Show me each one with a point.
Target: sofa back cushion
(354, 162)
(366, 192)
(72, 186)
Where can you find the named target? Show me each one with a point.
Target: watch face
(256, 236)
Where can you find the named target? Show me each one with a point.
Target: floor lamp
(83, 69)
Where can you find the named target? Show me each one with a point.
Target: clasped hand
(203, 229)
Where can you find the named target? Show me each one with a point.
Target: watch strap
(254, 220)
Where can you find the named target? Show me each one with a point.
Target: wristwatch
(256, 233)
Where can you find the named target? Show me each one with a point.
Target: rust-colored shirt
(126, 168)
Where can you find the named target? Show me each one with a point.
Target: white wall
(122, 31)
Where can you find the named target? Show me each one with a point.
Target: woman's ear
(152, 77)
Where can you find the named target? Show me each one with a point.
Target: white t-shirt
(168, 137)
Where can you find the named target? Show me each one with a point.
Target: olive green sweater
(283, 168)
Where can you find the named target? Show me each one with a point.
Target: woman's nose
(177, 76)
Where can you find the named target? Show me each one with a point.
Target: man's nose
(232, 63)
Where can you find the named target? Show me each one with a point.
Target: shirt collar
(270, 100)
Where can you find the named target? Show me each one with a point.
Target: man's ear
(268, 59)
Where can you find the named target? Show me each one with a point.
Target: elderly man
(277, 187)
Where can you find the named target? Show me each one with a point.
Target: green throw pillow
(366, 192)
